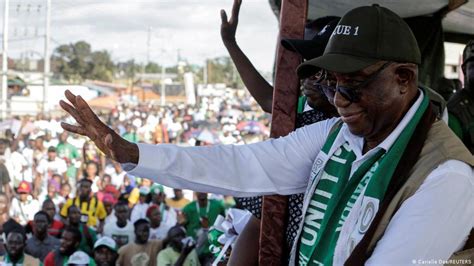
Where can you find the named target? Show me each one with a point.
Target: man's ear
(406, 76)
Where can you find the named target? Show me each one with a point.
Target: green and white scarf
(336, 193)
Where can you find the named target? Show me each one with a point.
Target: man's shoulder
(124, 249)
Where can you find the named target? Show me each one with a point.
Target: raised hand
(89, 125)
(229, 27)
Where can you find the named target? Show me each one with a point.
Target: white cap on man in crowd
(106, 242)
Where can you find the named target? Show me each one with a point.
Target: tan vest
(441, 145)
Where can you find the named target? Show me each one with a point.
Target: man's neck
(203, 203)
(121, 224)
(42, 236)
(17, 258)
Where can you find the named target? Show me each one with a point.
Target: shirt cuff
(127, 167)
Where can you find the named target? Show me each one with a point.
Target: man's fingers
(89, 115)
(74, 129)
(72, 111)
(71, 97)
(223, 17)
(235, 11)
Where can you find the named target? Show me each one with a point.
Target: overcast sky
(120, 26)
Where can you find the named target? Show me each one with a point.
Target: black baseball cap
(364, 36)
(313, 48)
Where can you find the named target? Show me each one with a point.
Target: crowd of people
(63, 201)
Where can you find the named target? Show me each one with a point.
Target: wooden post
(285, 97)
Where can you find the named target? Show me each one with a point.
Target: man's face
(41, 224)
(142, 233)
(122, 213)
(63, 137)
(15, 244)
(380, 106)
(3, 148)
(108, 207)
(178, 193)
(155, 216)
(469, 77)
(68, 243)
(315, 96)
(51, 155)
(23, 196)
(176, 235)
(85, 189)
(49, 208)
(65, 190)
(103, 256)
(201, 196)
(74, 215)
(91, 169)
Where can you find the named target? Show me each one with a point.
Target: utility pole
(163, 86)
(204, 74)
(3, 103)
(46, 55)
(148, 44)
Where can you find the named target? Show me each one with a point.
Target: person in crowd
(16, 250)
(201, 214)
(5, 180)
(169, 217)
(105, 252)
(70, 155)
(24, 208)
(91, 154)
(109, 203)
(53, 191)
(461, 104)
(92, 210)
(80, 258)
(143, 251)
(70, 241)
(122, 229)
(91, 172)
(17, 165)
(88, 234)
(41, 243)
(39, 150)
(178, 201)
(177, 252)
(117, 174)
(158, 230)
(65, 192)
(4, 209)
(387, 139)
(139, 210)
(56, 227)
(48, 166)
(160, 134)
(130, 133)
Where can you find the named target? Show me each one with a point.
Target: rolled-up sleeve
(275, 166)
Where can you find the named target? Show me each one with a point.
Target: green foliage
(77, 62)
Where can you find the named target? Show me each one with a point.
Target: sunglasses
(352, 94)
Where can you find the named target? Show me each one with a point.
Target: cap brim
(308, 49)
(340, 63)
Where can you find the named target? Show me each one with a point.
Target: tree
(76, 62)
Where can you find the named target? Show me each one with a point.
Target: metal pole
(163, 86)
(3, 103)
(46, 55)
